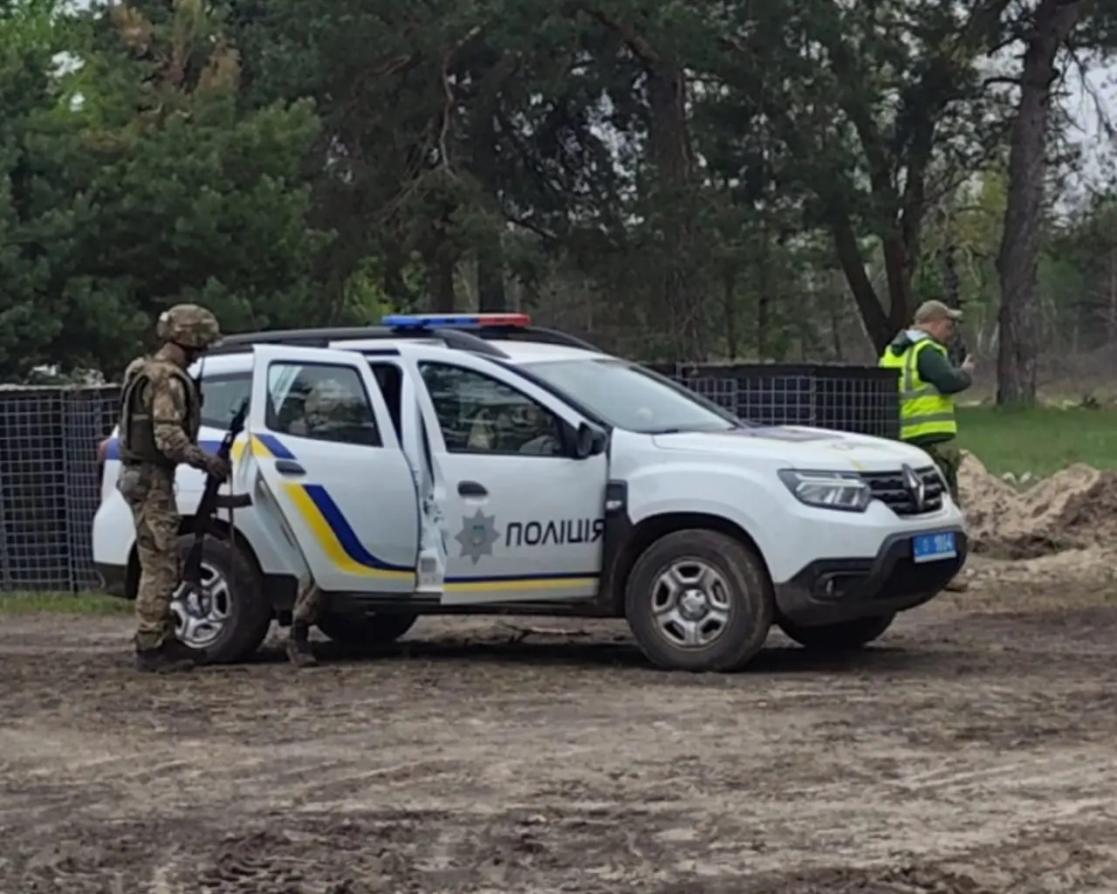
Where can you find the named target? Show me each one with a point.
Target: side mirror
(589, 441)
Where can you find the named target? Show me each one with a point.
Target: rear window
(222, 396)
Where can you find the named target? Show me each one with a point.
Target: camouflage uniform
(159, 430)
(948, 457)
(323, 406)
(308, 607)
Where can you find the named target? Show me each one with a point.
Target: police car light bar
(454, 321)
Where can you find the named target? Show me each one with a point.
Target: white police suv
(477, 464)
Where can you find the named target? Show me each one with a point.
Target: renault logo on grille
(913, 483)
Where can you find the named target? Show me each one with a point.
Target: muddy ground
(973, 750)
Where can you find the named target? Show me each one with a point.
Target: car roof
(451, 335)
(235, 356)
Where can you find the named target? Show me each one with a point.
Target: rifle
(210, 502)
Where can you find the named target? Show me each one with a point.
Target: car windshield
(627, 396)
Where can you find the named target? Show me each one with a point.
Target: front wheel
(229, 618)
(844, 637)
(374, 630)
(699, 600)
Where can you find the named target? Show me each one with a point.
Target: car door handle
(471, 489)
(288, 467)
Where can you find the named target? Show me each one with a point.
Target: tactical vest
(137, 426)
(924, 412)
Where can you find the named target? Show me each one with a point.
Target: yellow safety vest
(923, 410)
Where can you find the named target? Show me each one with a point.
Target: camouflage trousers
(308, 605)
(150, 492)
(948, 458)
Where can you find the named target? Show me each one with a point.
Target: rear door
(330, 459)
(522, 519)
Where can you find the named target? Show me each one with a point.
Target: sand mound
(1075, 509)
(1060, 577)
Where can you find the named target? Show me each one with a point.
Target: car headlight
(828, 490)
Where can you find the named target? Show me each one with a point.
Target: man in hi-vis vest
(928, 382)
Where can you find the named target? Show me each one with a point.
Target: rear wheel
(699, 600)
(844, 637)
(371, 630)
(229, 618)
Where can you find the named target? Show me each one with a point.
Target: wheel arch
(219, 527)
(648, 530)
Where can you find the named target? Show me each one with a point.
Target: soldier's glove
(217, 468)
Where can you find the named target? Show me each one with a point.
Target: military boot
(169, 657)
(960, 583)
(299, 652)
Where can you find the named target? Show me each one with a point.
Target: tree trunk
(1111, 327)
(486, 167)
(673, 158)
(878, 325)
(836, 328)
(440, 275)
(763, 293)
(729, 304)
(952, 287)
(671, 152)
(490, 276)
(394, 284)
(1018, 259)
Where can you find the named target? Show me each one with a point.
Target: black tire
(372, 630)
(249, 614)
(748, 590)
(844, 637)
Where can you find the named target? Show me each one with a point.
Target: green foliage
(672, 178)
(135, 179)
(37, 215)
(1041, 440)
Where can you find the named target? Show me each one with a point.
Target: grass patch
(1040, 441)
(62, 604)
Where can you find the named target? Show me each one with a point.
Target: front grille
(891, 489)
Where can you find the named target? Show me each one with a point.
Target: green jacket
(933, 366)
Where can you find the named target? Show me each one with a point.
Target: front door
(523, 519)
(329, 455)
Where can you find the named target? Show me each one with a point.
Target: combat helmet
(188, 325)
(325, 401)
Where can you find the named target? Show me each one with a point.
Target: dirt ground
(974, 749)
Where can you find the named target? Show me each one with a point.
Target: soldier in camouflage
(324, 410)
(160, 418)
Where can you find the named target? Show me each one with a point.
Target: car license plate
(934, 547)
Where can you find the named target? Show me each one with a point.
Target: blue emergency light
(454, 321)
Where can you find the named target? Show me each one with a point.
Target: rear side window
(222, 396)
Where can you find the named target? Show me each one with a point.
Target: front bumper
(830, 591)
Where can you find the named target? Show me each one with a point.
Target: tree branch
(448, 108)
(635, 41)
(853, 265)
(528, 224)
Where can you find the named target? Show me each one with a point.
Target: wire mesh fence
(50, 483)
(855, 399)
(49, 487)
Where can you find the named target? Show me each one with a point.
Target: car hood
(800, 447)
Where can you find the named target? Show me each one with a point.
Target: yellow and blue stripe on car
(343, 547)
